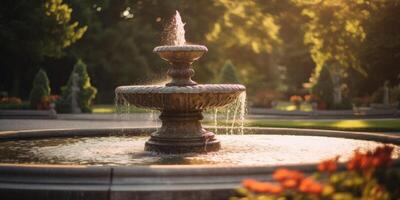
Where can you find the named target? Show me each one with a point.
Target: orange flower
(328, 165)
(309, 185)
(285, 174)
(262, 187)
(382, 156)
(290, 183)
(379, 158)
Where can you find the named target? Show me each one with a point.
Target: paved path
(87, 121)
(27, 124)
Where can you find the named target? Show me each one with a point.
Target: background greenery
(274, 44)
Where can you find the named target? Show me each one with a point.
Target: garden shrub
(344, 105)
(41, 88)
(86, 92)
(296, 100)
(228, 73)
(395, 96)
(368, 175)
(265, 98)
(323, 88)
(377, 96)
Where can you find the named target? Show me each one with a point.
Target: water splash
(232, 116)
(216, 120)
(174, 32)
(243, 111)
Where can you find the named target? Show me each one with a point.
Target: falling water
(233, 116)
(243, 110)
(122, 108)
(174, 32)
(216, 120)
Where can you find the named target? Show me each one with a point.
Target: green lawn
(288, 106)
(107, 108)
(379, 125)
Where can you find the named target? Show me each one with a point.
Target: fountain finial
(178, 53)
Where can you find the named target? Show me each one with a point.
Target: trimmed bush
(228, 73)
(323, 88)
(41, 88)
(86, 92)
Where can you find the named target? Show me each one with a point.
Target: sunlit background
(278, 48)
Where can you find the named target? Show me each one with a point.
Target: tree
(41, 88)
(379, 53)
(228, 73)
(30, 32)
(85, 91)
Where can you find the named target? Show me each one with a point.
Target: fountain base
(181, 132)
(179, 145)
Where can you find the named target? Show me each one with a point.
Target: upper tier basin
(174, 98)
(184, 53)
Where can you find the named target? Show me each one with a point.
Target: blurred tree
(334, 31)
(31, 31)
(85, 93)
(228, 73)
(380, 51)
(247, 33)
(41, 88)
(294, 55)
(121, 36)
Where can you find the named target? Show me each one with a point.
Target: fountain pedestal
(181, 132)
(181, 103)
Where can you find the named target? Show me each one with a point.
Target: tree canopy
(275, 44)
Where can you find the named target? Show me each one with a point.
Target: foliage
(275, 46)
(85, 94)
(334, 31)
(228, 73)
(296, 100)
(41, 88)
(265, 98)
(10, 100)
(31, 32)
(379, 51)
(324, 87)
(47, 102)
(362, 101)
(310, 98)
(368, 176)
(395, 95)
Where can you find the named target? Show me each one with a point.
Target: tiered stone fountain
(182, 100)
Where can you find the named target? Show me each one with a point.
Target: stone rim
(189, 47)
(200, 88)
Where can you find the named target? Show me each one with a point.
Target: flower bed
(367, 176)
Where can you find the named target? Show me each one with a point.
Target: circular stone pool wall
(112, 181)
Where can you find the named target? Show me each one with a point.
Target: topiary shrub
(228, 73)
(323, 88)
(85, 94)
(40, 89)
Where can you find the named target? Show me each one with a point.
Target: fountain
(182, 100)
(110, 163)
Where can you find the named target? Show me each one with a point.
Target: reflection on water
(236, 149)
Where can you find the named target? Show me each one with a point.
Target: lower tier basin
(111, 163)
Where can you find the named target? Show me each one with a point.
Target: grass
(350, 124)
(22, 106)
(373, 125)
(107, 108)
(288, 106)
